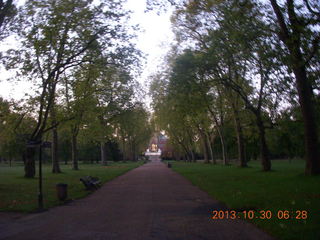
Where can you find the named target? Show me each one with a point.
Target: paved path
(149, 202)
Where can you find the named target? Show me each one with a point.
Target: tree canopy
(241, 82)
(251, 63)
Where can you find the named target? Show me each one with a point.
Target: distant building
(159, 144)
(153, 144)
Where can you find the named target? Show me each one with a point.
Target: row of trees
(81, 60)
(241, 72)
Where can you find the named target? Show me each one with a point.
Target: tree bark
(103, 149)
(221, 136)
(30, 167)
(193, 158)
(264, 151)
(212, 158)
(240, 140)
(54, 152)
(223, 147)
(74, 152)
(205, 147)
(133, 151)
(310, 126)
(184, 148)
(187, 157)
(54, 147)
(123, 149)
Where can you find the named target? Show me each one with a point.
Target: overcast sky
(154, 42)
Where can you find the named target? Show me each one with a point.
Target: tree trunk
(193, 159)
(187, 154)
(54, 152)
(103, 148)
(205, 147)
(205, 151)
(30, 167)
(223, 147)
(265, 160)
(74, 152)
(310, 126)
(186, 150)
(133, 151)
(210, 142)
(123, 150)
(292, 39)
(23, 157)
(240, 141)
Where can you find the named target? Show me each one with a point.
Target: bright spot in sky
(154, 41)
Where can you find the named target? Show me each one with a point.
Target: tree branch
(284, 33)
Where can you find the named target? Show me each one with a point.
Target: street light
(34, 144)
(40, 194)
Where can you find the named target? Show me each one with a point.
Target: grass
(20, 194)
(284, 188)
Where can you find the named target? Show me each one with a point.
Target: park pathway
(149, 202)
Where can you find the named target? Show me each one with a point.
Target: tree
(54, 145)
(239, 54)
(199, 100)
(79, 88)
(56, 36)
(7, 12)
(15, 127)
(133, 131)
(180, 111)
(299, 31)
(189, 27)
(114, 94)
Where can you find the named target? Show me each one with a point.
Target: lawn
(283, 189)
(20, 194)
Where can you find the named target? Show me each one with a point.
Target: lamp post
(34, 144)
(40, 194)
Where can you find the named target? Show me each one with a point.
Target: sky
(153, 41)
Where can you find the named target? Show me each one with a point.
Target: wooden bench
(91, 183)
